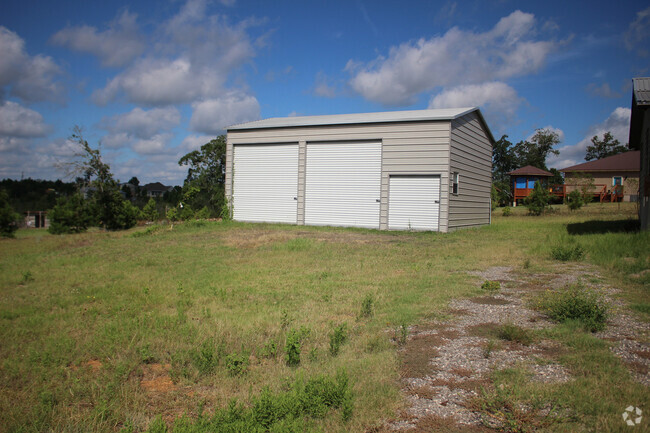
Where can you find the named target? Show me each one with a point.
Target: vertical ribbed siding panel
(414, 203)
(343, 184)
(302, 156)
(265, 183)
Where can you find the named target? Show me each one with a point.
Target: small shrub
(565, 253)
(8, 217)
(537, 201)
(575, 200)
(491, 286)
(575, 303)
(510, 332)
(526, 264)
(402, 334)
(27, 277)
(366, 306)
(236, 363)
(203, 214)
(292, 348)
(337, 338)
(150, 210)
(205, 358)
(269, 350)
(70, 215)
(507, 211)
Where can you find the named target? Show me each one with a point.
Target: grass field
(111, 331)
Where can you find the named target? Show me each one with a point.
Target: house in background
(156, 189)
(639, 140)
(36, 219)
(522, 181)
(615, 178)
(401, 170)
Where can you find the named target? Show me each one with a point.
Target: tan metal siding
(407, 148)
(471, 157)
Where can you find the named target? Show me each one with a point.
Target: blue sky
(153, 80)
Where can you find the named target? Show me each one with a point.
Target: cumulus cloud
(145, 131)
(18, 121)
(497, 100)
(638, 33)
(194, 141)
(322, 87)
(211, 116)
(602, 91)
(457, 57)
(193, 58)
(30, 78)
(618, 123)
(116, 46)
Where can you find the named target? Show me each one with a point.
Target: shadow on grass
(599, 227)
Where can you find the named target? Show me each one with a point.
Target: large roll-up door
(343, 184)
(265, 183)
(414, 202)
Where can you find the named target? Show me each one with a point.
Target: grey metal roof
(343, 119)
(642, 90)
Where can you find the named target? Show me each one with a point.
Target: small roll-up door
(414, 203)
(265, 183)
(343, 184)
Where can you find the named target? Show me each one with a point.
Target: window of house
(455, 177)
(617, 180)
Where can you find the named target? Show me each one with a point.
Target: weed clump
(575, 303)
(366, 306)
(507, 211)
(565, 253)
(236, 363)
(292, 348)
(337, 338)
(491, 286)
(514, 333)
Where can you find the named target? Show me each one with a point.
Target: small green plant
(537, 201)
(205, 358)
(27, 277)
(285, 320)
(366, 306)
(514, 333)
(575, 303)
(150, 210)
(8, 217)
(490, 347)
(507, 211)
(292, 348)
(575, 200)
(491, 286)
(236, 363)
(526, 264)
(269, 350)
(338, 336)
(565, 253)
(402, 334)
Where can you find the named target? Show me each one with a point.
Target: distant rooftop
(529, 170)
(343, 119)
(628, 161)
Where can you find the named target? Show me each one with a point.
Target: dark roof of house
(529, 170)
(628, 161)
(156, 186)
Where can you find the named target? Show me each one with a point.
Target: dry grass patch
(490, 300)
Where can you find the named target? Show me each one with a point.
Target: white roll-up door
(414, 202)
(265, 183)
(343, 184)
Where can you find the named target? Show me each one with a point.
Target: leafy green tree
(503, 160)
(8, 217)
(70, 215)
(206, 176)
(574, 200)
(150, 210)
(535, 151)
(608, 146)
(95, 177)
(537, 201)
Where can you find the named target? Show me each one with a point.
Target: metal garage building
(417, 170)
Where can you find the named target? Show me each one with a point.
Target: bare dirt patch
(156, 378)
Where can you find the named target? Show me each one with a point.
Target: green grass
(85, 318)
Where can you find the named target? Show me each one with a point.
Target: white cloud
(455, 58)
(638, 33)
(603, 91)
(323, 88)
(618, 123)
(115, 47)
(143, 123)
(192, 58)
(30, 78)
(156, 144)
(19, 121)
(497, 100)
(211, 116)
(194, 142)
